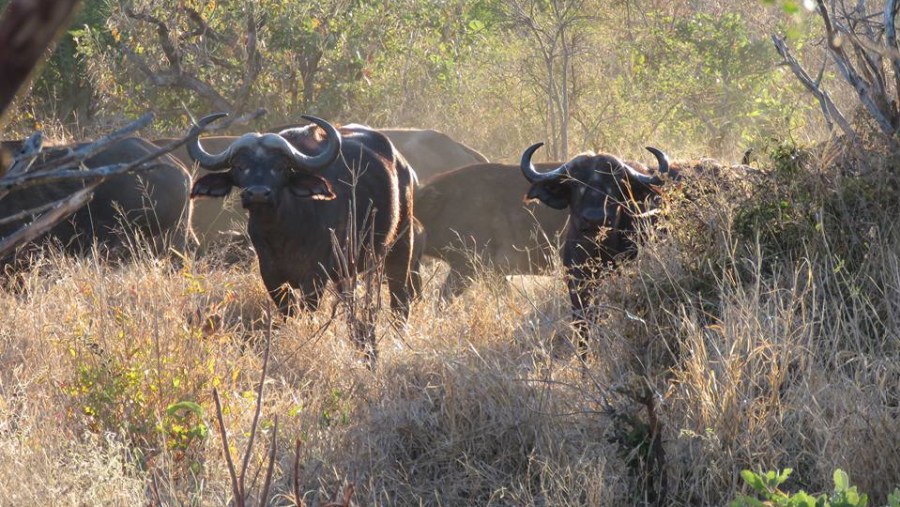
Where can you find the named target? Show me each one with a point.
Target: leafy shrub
(766, 487)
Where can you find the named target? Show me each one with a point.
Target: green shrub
(768, 493)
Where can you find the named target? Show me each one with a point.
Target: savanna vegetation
(757, 329)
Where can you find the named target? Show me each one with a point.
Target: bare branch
(298, 500)
(863, 89)
(271, 467)
(829, 109)
(59, 170)
(61, 209)
(235, 488)
(80, 154)
(259, 397)
(26, 155)
(175, 75)
(203, 29)
(56, 171)
(171, 79)
(173, 55)
(29, 212)
(252, 65)
(890, 34)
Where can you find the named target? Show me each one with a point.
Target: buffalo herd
(316, 200)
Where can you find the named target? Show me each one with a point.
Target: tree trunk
(27, 28)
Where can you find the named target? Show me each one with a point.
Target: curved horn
(635, 175)
(661, 158)
(531, 174)
(198, 154)
(328, 155)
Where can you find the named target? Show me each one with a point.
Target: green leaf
(802, 499)
(754, 480)
(841, 480)
(783, 476)
(745, 501)
(894, 498)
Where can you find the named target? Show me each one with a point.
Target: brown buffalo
(475, 217)
(306, 188)
(431, 152)
(606, 198)
(153, 204)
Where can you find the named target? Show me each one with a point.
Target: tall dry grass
(735, 356)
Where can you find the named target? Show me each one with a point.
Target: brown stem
(259, 397)
(235, 487)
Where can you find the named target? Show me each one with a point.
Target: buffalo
(474, 216)
(428, 152)
(153, 204)
(431, 152)
(606, 199)
(310, 192)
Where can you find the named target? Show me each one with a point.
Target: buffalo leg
(456, 283)
(402, 272)
(281, 291)
(582, 300)
(462, 272)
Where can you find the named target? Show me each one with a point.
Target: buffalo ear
(311, 187)
(551, 193)
(212, 185)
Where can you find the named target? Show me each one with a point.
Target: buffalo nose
(256, 195)
(593, 217)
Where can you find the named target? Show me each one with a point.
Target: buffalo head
(264, 166)
(600, 190)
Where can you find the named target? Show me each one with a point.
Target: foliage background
(697, 78)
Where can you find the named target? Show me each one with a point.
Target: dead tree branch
(61, 209)
(83, 152)
(829, 109)
(62, 169)
(203, 29)
(237, 478)
(862, 43)
(175, 73)
(837, 37)
(25, 156)
(169, 48)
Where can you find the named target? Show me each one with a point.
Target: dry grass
(752, 362)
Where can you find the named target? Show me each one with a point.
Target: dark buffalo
(606, 198)
(304, 188)
(475, 217)
(428, 152)
(152, 204)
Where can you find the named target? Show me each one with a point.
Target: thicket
(580, 74)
